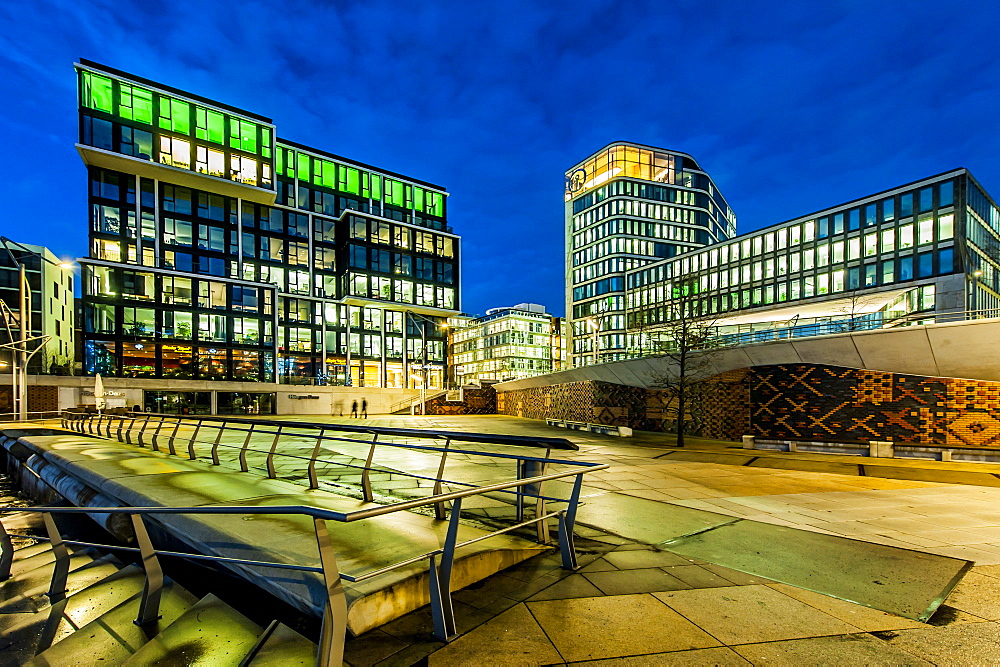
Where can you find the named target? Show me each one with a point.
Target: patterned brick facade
(809, 402)
(475, 401)
(793, 401)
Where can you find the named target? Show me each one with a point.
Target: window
(925, 230)
(209, 125)
(243, 169)
(106, 219)
(946, 260)
(175, 115)
(906, 268)
(243, 136)
(906, 205)
(177, 232)
(926, 200)
(888, 210)
(946, 227)
(137, 143)
(888, 240)
(135, 103)
(175, 152)
(177, 290)
(946, 193)
(209, 161)
(97, 133)
(96, 92)
(925, 264)
(871, 244)
(211, 238)
(906, 236)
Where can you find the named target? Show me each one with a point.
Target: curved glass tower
(628, 205)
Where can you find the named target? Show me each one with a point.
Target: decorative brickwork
(475, 401)
(41, 398)
(793, 401)
(809, 402)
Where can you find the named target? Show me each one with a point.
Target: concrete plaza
(635, 602)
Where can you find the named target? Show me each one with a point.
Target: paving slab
(752, 614)
(513, 637)
(717, 657)
(961, 644)
(610, 627)
(860, 649)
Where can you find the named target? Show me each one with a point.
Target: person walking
(364, 408)
(354, 408)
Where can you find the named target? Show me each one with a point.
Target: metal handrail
(334, 628)
(526, 466)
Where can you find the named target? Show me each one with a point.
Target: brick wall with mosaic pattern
(475, 401)
(810, 402)
(793, 402)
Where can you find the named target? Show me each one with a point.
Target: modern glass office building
(628, 206)
(505, 344)
(219, 251)
(919, 253)
(922, 252)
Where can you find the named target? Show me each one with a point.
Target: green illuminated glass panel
(96, 92)
(303, 166)
(242, 135)
(210, 125)
(408, 195)
(265, 142)
(353, 179)
(325, 173)
(393, 192)
(418, 199)
(366, 184)
(175, 115)
(376, 186)
(135, 103)
(286, 162)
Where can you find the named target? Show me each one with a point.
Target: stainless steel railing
(334, 626)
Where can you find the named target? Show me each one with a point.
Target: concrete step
(24, 635)
(285, 646)
(45, 557)
(27, 592)
(113, 637)
(209, 633)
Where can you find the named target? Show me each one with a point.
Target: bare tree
(687, 340)
(855, 307)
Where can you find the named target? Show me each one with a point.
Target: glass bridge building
(918, 253)
(219, 251)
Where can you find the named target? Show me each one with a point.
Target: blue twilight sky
(791, 106)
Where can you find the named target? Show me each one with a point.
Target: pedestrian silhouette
(364, 408)
(354, 408)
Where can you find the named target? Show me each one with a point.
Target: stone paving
(633, 603)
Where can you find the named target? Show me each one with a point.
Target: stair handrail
(524, 465)
(334, 627)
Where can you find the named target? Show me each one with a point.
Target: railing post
(173, 436)
(243, 449)
(270, 454)
(542, 527)
(439, 508)
(155, 444)
(313, 481)
(366, 479)
(90, 425)
(145, 423)
(334, 631)
(149, 605)
(121, 427)
(194, 437)
(442, 611)
(567, 521)
(6, 553)
(128, 430)
(107, 428)
(60, 569)
(215, 445)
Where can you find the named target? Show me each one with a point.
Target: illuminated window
(243, 169)
(96, 92)
(209, 125)
(209, 161)
(871, 244)
(946, 227)
(175, 115)
(888, 240)
(135, 103)
(906, 236)
(243, 136)
(925, 233)
(175, 152)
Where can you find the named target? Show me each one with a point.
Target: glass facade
(628, 206)
(911, 255)
(312, 270)
(505, 344)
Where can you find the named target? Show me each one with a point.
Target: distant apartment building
(505, 344)
(221, 251)
(52, 308)
(918, 253)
